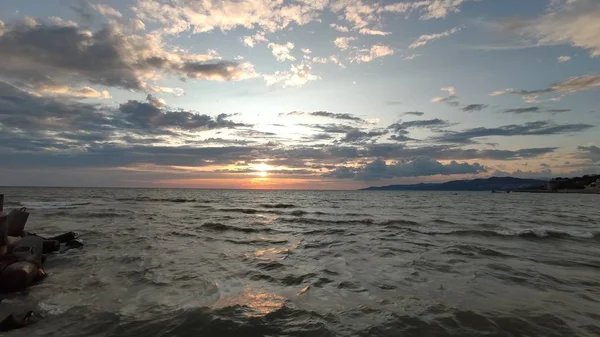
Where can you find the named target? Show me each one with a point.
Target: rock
(16, 221)
(15, 321)
(64, 238)
(51, 246)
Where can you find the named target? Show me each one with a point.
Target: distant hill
(489, 184)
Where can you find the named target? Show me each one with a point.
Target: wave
(256, 242)
(217, 226)
(313, 221)
(148, 199)
(239, 210)
(53, 204)
(277, 205)
(471, 250)
(529, 234)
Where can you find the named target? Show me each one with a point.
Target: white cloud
(438, 9)
(205, 16)
(297, 76)
(306, 50)
(411, 57)
(137, 25)
(451, 95)
(343, 42)
(282, 51)
(167, 90)
(368, 55)
(252, 40)
(367, 31)
(335, 60)
(106, 10)
(574, 22)
(61, 22)
(424, 39)
(563, 59)
(56, 89)
(339, 28)
(320, 60)
(429, 9)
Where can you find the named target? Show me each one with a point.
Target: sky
(296, 94)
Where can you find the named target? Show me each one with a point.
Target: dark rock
(16, 321)
(64, 238)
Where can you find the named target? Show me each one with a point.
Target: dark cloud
(256, 134)
(318, 137)
(474, 107)
(528, 129)
(332, 128)
(343, 116)
(523, 110)
(435, 123)
(35, 53)
(326, 114)
(357, 136)
(571, 85)
(416, 167)
(413, 113)
(48, 123)
(534, 109)
(591, 153)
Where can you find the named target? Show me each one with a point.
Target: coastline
(584, 191)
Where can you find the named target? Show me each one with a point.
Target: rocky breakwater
(22, 257)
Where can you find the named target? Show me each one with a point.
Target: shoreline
(559, 191)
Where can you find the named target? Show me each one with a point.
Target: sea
(187, 262)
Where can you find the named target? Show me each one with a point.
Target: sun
(261, 169)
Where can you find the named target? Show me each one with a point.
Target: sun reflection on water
(259, 303)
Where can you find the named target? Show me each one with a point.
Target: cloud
(282, 51)
(572, 85)
(339, 28)
(357, 136)
(367, 31)
(474, 107)
(252, 40)
(424, 39)
(106, 10)
(535, 109)
(411, 57)
(523, 110)
(297, 76)
(368, 55)
(413, 113)
(342, 116)
(332, 128)
(343, 42)
(326, 114)
(57, 89)
(451, 95)
(563, 59)
(415, 167)
(573, 22)
(33, 54)
(206, 16)
(65, 124)
(538, 128)
(435, 123)
(591, 153)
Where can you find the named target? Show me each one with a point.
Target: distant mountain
(489, 184)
